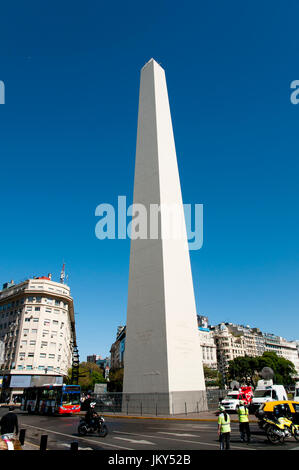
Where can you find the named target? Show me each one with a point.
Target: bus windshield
(71, 398)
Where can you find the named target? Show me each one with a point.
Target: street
(139, 434)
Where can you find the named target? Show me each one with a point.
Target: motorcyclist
(91, 415)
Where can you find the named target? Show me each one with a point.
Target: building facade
(37, 327)
(93, 358)
(238, 340)
(117, 350)
(207, 343)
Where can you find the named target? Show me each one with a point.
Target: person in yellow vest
(224, 429)
(243, 414)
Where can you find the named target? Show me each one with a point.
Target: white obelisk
(162, 363)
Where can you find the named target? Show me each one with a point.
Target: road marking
(30, 444)
(77, 437)
(79, 448)
(177, 434)
(135, 441)
(181, 440)
(189, 428)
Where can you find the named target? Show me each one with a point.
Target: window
(42, 355)
(55, 322)
(29, 367)
(46, 322)
(35, 319)
(31, 354)
(32, 343)
(37, 309)
(44, 344)
(71, 398)
(51, 356)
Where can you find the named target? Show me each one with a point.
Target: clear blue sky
(67, 144)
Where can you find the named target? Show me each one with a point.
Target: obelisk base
(164, 403)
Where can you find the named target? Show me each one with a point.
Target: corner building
(37, 327)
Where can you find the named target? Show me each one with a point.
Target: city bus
(52, 399)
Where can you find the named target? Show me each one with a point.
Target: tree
(247, 369)
(212, 376)
(284, 370)
(89, 375)
(244, 369)
(116, 377)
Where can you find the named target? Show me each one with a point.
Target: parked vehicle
(98, 425)
(232, 400)
(279, 420)
(266, 391)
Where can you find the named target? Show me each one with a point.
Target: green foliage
(212, 377)
(89, 375)
(246, 369)
(116, 378)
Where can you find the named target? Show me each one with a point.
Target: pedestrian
(243, 414)
(224, 429)
(9, 422)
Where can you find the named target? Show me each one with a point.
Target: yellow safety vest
(224, 425)
(243, 414)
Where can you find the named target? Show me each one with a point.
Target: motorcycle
(97, 425)
(277, 430)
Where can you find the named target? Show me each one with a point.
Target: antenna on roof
(62, 274)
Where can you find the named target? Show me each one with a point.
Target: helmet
(241, 402)
(221, 408)
(92, 404)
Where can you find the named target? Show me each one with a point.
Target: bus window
(71, 399)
